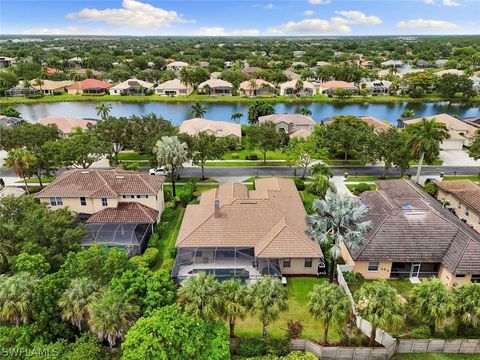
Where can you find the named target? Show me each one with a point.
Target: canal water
(177, 112)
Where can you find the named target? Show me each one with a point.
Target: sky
(240, 17)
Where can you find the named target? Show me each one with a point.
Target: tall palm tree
(299, 87)
(329, 303)
(233, 294)
(407, 114)
(16, 293)
(338, 219)
(236, 117)
(266, 299)
(305, 110)
(424, 141)
(200, 296)
(187, 77)
(75, 300)
(20, 160)
(432, 302)
(6, 231)
(111, 315)
(252, 84)
(103, 110)
(467, 309)
(39, 82)
(198, 110)
(381, 305)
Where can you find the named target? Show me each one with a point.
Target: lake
(177, 112)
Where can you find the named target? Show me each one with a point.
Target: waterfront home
(173, 87)
(120, 208)
(377, 87)
(297, 87)
(89, 87)
(176, 65)
(216, 87)
(236, 232)
(213, 127)
(290, 123)
(251, 70)
(460, 132)
(50, 87)
(66, 125)
(413, 237)
(256, 87)
(450, 72)
(291, 75)
(377, 124)
(329, 87)
(131, 87)
(6, 61)
(462, 197)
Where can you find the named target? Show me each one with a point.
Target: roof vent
(84, 172)
(217, 208)
(407, 207)
(119, 177)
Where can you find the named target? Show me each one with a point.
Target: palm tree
(75, 300)
(236, 117)
(407, 114)
(39, 82)
(320, 185)
(467, 300)
(432, 302)
(252, 83)
(20, 160)
(299, 87)
(103, 110)
(111, 315)
(172, 153)
(198, 110)
(338, 219)
(424, 141)
(329, 303)
(233, 294)
(16, 293)
(186, 77)
(200, 296)
(305, 110)
(266, 299)
(6, 231)
(381, 305)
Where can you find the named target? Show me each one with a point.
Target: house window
(83, 201)
(460, 275)
(56, 201)
(476, 278)
(373, 266)
(142, 196)
(467, 212)
(104, 202)
(308, 262)
(287, 262)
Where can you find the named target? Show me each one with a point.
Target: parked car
(159, 171)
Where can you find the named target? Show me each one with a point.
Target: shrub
(172, 253)
(360, 188)
(278, 347)
(251, 157)
(294, 329)
(154, 241)
(299, 183)
(134, 166)
(421, 332)
(351, 276)
(249, 347)
(167, 265)
(150, 256)
(431, 188)
(235, 156)
(168, 214)
(168, 196)
(185, 194)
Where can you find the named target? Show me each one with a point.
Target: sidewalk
(337, 181)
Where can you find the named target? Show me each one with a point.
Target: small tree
(321, 168)
(259, 108)
(432, 302)
(198, 110)
(233, 294)
(236, 117)
(16, 293)
(20, 160)
(329, 303)
(103, 110)
(474, 149)
(320, 185)
(264, 136)
(302, 152)
(380, 304)
(467, 305)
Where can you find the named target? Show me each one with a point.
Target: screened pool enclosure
(132, 237)
(224, 263)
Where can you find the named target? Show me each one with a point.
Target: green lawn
(475, 178)
(298, 289)
(245, 163)
(271, 155)
(437, 162)
(133, 156)
(435, 357)
(35, 181)
(340, 162)
(351, 187)
(403, 286)
(169, 237)
(367, 178)
(253, 178)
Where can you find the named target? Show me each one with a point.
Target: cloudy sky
(240, 17)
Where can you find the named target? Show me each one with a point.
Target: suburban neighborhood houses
(240, 194)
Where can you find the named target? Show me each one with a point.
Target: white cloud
(358, 17)
(426, 24)
(220, 31)
(335, 25)
(308, 12)
(319, 2)
(269, 6)
(429, 2)
(450, 3)
(133, 14)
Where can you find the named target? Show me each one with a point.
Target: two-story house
(120, 208)
(291, 124)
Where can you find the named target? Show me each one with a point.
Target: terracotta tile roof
(378, 124)
(66, 124)
(52, 85)
(271, 219)
(457, 129)
(175, 84)
(465, 190)
(296, 119)
(214, 83)
(11, 191)
(90, 84)
(409, 226)
(92, 183)
(218, 128)
(300, 133)
(336, 84)
(125, 213)
(246, 85)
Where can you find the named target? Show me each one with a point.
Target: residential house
(463, 198)
(378, 87)
(131, 87)
(8, 121)
(173, 87)
(120, 207)
(11, 191)
(290, 88)
(450, 72)
(441, 62)
(392, 63)
(298, 53)
(87, 72)
(413, 237)
(176, 65)
(251, 70)
(66, 125)
(299, 65)
(423, 63)
(256, 87)
(22, 90)
(461, 133)
(216, 87)
(246, 234)
(291, 75)
(6, 61)
(75, 61)
(50, 87)
(474, 120)
(295, 125)
(203, 64)
(329, 87)
(89, 87)
(322, 63)
(213, 127)
(377, 124)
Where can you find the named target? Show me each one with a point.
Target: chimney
(217, 208)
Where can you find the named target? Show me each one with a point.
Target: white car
(159, 171)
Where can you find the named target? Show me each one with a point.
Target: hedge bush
(168, 214)
(299, 183)
(251, 157)
(235, 156)
(360, 188)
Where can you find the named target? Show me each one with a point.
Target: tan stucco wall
(451, 280)
(297, 267)
(473, 218)
(383, 271)
(346, 255)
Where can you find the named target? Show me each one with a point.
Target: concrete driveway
(457, 158)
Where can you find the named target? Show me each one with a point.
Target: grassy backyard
(169, 237)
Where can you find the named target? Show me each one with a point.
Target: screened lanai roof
(116, 234)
